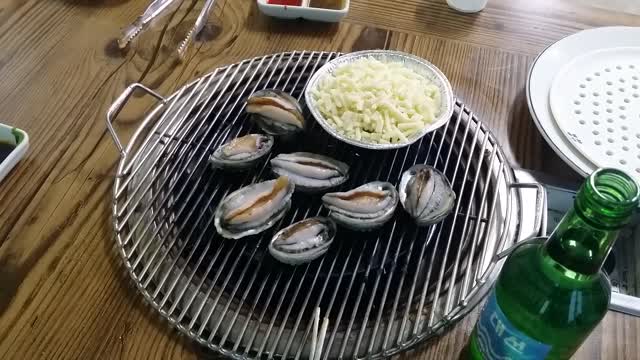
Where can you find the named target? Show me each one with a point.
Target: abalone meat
(363, 208)
(426, 194)
(276, 112)
(310, 172)
(303, 241)
(254, 208)
(242, 152)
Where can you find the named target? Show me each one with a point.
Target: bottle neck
(580, 246)
(584, 237)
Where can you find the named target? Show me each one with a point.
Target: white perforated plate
(545, 68)
(595, 100)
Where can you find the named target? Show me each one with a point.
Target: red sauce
(285, 2)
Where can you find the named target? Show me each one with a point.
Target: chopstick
(317, 340)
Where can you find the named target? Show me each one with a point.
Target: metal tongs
(197, 27)
(155, 9)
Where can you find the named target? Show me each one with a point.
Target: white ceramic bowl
(415, 63)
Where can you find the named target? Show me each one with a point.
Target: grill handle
(117, 106)
(540, 221)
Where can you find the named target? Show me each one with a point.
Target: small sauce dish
(13, 146)
(316, 10)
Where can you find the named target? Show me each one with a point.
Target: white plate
(595, 100)
(545, 68)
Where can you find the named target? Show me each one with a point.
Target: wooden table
(63, 292)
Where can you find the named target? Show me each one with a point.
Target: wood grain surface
(63, 291)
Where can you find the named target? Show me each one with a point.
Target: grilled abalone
(242, 153)
(310, 172)
(276, 112)
(363, 208)
(254, 208)
(426, 194)
(303, 241)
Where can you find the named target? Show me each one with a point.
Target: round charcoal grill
(383, 291)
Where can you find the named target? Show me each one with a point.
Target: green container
(551, 292)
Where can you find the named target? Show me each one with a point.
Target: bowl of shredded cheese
(379, 99)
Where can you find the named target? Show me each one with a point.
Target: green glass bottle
(551, 292)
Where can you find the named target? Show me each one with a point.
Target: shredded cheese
(377, 102)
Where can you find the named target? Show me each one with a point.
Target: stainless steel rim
(383, 294)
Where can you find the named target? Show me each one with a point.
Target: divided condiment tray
(307, 9)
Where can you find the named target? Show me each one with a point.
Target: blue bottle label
(498, 339)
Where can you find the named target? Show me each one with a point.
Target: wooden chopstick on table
(317, 339)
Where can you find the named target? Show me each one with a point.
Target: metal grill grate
(383, 291)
